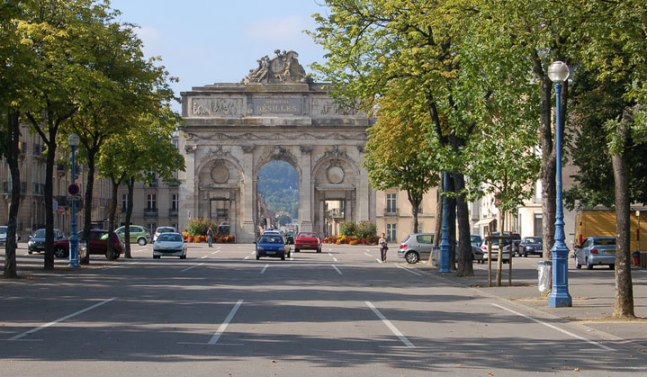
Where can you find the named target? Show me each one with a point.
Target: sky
(202, 42)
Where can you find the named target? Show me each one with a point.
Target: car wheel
(29, 252)
(612, 266)
(258, 257)
(589, 265)
(59, 253)
(296, 250)
(156, 257)
(141, 242)
(182, 256)
(412, 257)
(283, 257)
(318, 250)
(578, 265)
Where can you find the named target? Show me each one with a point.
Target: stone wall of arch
(231, 130)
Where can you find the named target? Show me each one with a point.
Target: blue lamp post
(73, 140)
(559, 297)
(444, 241)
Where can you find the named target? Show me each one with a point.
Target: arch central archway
(231, 131)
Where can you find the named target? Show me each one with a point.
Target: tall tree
(56, 32)
(613, 56)
(399, 156)
(14, 61)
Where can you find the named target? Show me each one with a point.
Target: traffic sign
(73, 189)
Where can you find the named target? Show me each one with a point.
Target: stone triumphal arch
(276, 113)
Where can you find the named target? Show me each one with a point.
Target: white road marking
(390, 325)
(337, 269)
(204, 256)
(246, 258)
(409, 270)
(19, 336)
(333, 258)
(368, 255)
(264, 268)
(223, 326)
(188, 268)
(599, 345)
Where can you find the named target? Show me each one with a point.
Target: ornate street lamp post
(559, 297)
(444, 241)
(73, 140)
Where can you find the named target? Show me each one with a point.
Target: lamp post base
(560, 300)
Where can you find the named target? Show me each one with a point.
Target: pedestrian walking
(384, 246)
(210, 236)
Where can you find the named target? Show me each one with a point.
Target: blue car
(272, 245)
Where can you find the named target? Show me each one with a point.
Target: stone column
(363, 194)
(306, 189)
(187, 191)
(248, 205)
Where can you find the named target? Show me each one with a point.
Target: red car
(98, 244)
(307, 240)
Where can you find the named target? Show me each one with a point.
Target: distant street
(221, 312)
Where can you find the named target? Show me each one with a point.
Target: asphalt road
(220, 312)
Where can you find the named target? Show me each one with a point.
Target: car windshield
(533, 240)
(171, 237)
(309, 235)
(40, 233)
(270, 239)
(3, 230)
(165, 230)
(605, 241)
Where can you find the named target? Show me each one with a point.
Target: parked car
(169, 244)
(272, 245)
(476, 240)
(596, 251)
(416, 246)
(138, 234)
(97, 245)
(163, 229)
(36, 243)
(307, 241)
(498, 239)
(3, 235)
(531, 245)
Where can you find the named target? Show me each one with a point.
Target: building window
(391, 203)
(539, 229)
(124, 202)
(151, 201)
(391, 232)
(174, 202)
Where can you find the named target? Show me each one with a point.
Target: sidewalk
(592, 292)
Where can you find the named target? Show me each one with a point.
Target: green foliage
(278, 183)
(199, 226)
(347, 228)
(365, 230)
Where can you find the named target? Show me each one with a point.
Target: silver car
(169, 245)
(416, 246)
(596, 251)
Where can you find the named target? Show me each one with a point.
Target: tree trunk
(414, 200)
(13, 139)
(87, 210)
(439, 213)
(465, 258)
(548, 167)
(624, 305)
(111, 222)
(129, 212)
(49, 196)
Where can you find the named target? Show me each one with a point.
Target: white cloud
(288, 29)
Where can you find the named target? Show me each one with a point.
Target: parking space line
(34, 330)
(599, 345)
(223, 326)
(264, 268)
(390, 325)
(188, 268)
(409, 270)
(337, 269)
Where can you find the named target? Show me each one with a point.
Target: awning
(483, 222)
